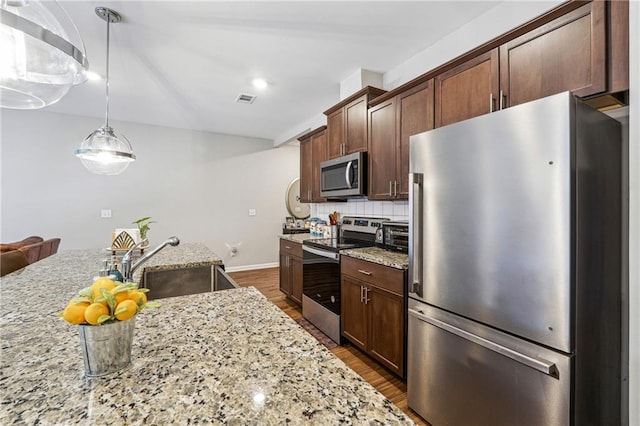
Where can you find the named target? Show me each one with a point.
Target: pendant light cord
(106, 120)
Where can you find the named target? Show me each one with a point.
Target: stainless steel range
(321, 271)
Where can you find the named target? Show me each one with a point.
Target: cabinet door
(319, 154)
(568, 53)
(295, 269)
(306, 170)
(382, 150)
(353, 313)
(386, 335)
(285, 281)
(415, 112)
(335, 133)
(356, 125)
(468, 90)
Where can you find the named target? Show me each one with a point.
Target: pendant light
(42, 54)
(104, 152)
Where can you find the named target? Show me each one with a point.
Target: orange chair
(11, 261)
(17, 244)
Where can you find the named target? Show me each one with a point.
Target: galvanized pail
(106, 348)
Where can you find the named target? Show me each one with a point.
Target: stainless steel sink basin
(180, 282)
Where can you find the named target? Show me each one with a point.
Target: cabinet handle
(395, 188)
(361, 294)
(503, 100)
(366, 295)
(490, 102)
(390, 188)
(364, 272)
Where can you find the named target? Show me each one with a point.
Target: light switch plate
(252, 212)
(105, 213)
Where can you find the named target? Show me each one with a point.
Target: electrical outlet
(252, 212)
(105, 213)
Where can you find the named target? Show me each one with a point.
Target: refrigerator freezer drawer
(462, 373)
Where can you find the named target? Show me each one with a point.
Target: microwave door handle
(416, 243)
(347, 174)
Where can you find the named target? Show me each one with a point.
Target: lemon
(94, 311)
(99, 284)
(122, 296)
(138, 296)
(126, 309)
(74, 312)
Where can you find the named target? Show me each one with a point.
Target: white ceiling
(182, 64)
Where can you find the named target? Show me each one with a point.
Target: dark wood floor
(267, 281)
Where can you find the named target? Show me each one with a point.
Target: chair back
(11, 261)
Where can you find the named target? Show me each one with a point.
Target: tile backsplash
(394, 210)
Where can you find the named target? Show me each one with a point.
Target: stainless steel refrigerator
(515, 268)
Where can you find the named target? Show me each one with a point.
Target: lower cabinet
(373, 311)
(291, 270)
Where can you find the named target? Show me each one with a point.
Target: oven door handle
(323, 253)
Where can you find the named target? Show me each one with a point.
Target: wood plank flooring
(267, 281)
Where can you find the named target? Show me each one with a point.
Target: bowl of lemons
(105, 313)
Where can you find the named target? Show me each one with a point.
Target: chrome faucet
(128, 268)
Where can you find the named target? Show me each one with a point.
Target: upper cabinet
(467, 90)
(313, 151)
(568, 53)
(347, 123)
(580, 47)
(391, 123)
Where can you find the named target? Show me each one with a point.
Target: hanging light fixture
(104, 152)
(42, 54)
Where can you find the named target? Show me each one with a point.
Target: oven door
(321, 277)
(321, 290)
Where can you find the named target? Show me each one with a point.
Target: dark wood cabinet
(391, 124)
(373, 311)
(291, 270)
(468, 90)
(313, 151)
(347, 123)
(584, 50)
(568, 53)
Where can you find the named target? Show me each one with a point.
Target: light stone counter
(184, 255)
(377, 255)
(230, 357)
(297, 238)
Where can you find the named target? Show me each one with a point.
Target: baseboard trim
(251, 267)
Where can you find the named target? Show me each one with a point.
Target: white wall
(196, 185)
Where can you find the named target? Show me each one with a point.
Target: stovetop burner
(356, 232)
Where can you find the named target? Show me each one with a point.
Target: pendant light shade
(104, 152)
(42, 54)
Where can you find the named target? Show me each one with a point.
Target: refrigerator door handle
(542, 365)
(415, 233)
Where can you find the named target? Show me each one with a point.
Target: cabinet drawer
(381, 276)
(290, 248)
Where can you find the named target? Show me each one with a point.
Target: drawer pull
(364, 272)
(287, 247)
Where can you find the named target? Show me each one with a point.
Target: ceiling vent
(243, 98)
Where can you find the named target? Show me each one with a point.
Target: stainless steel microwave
(344, 176)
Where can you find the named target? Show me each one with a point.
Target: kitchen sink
(184, 281)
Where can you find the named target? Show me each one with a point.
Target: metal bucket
(106, 348)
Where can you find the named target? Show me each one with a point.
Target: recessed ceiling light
(259, 83)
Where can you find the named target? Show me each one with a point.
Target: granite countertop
(184, 255)
(229, 357)
(377, 255)
(297, 238)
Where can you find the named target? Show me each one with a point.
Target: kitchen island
(229, 357)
